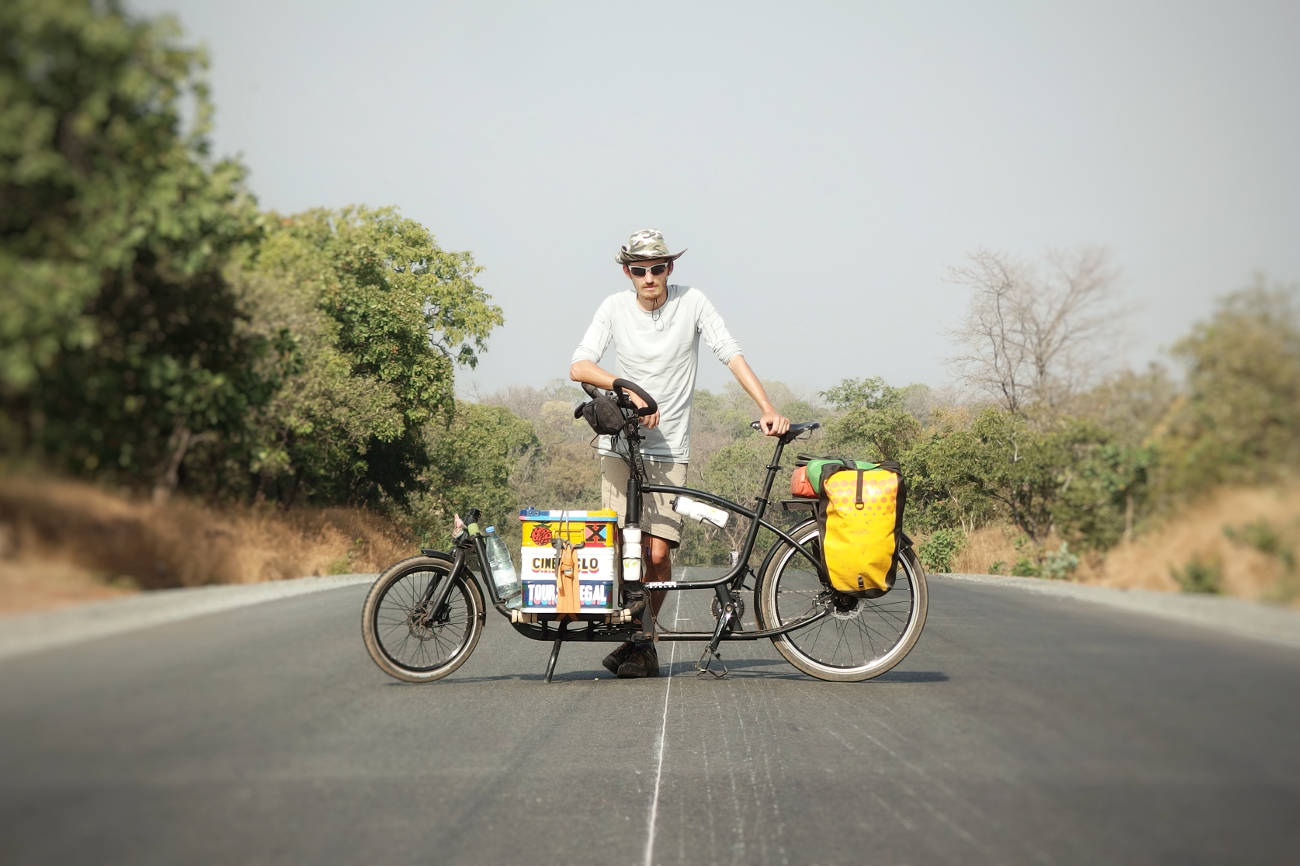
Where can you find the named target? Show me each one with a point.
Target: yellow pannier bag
(860, 511)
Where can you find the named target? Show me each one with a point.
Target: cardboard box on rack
(593, 585)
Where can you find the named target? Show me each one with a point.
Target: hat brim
(624, 258)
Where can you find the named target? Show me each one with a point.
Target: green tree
(1240, 416)
(870, 393)
(475, 462)
(1000, 458)
(565, 471)
(875, 421)
(384, 315)
(939, 496)
(1105, 487)
(96, 162)
(120, 344)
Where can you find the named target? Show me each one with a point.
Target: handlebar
(619, 387)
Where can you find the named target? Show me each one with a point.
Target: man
(656, 330)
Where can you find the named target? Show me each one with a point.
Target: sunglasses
(655, 270)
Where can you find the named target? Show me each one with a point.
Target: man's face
(650, 286)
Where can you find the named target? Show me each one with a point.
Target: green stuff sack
(860, 512)
(819, 469)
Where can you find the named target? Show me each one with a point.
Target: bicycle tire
(401, 641)
(859, 638)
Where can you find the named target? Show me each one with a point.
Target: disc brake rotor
(417, 623)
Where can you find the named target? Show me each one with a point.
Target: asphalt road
(1024, 728)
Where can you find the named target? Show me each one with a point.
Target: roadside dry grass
(1246, 540)
(64, 542)
(1242, 541)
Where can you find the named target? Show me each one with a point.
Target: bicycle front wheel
(858, 638)
(405, 637)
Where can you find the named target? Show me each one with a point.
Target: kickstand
(704, 665)
(555, 649)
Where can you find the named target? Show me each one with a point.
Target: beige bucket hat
(645, 245)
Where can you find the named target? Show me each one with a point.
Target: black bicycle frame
(734, 579)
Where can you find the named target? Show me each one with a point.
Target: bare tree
(1034, 336)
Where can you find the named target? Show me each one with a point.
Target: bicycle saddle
(795, 431)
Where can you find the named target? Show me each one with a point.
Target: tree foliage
(379, 316)
(1239, 418)
(99, 169)
(874, 421)
(120, 344)
(156, 329)
(474, 463)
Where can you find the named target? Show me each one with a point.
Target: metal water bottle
(503, 568)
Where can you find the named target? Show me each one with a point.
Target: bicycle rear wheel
(858, 638)
(406, 639)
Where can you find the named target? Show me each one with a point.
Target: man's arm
(587, 371)
(773, 423)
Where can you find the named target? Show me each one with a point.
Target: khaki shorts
(657, 515)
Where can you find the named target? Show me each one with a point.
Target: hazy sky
(825, 163)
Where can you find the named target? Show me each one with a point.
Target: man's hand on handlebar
(650, 421)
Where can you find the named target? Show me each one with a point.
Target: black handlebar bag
(604, 414)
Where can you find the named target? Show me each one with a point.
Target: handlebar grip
(650, 406)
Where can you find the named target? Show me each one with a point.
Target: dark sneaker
(635, 602)
(641, 661)
(618, 656)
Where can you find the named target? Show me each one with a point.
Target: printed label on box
(538, 563)
(592, 587)
(542, 595)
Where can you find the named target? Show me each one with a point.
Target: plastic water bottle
(503, 569)
(631, 554)
(700, 511)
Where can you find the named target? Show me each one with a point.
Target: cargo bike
(423, 616)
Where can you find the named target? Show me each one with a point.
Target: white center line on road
(660, 747)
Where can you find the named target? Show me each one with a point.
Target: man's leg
(658, 566)
(641, 659)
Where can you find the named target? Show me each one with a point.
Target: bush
(1060, 564)
(1200, 575)
(1025, 567)
(938, 550)
(1262, 536)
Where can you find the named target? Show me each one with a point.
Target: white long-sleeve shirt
(659, 351)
